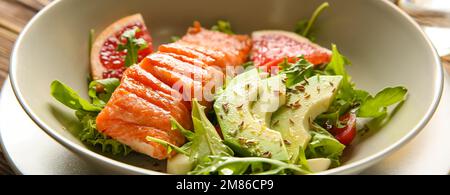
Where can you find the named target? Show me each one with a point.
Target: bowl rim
(357, 165)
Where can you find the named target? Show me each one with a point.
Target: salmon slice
(142, 106)
(236, 46)
(134, 136)
(128, 107)
(177, 110)
(186, 86)
(138, 73)
(178, 66)
(215, 72)
(179, 49)
(147, 79)
(204, 80)
(221, 59)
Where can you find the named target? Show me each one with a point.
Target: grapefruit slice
(271, 47)
(106, 60)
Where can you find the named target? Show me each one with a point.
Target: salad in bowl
(214, 102)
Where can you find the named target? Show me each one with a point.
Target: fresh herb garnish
(101, 90)
(304, 27)
(223, 26)
(296, 72)
(132, 46)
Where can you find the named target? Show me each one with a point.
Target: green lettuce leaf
(223, 26)
(206, 141)
(177, 127)
(101, 90)
(70, 98)
(90, 135)
(337, 67)
(376, 106)
(296, 72)
(324, 145)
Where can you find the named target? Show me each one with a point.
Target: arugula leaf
(101, 90)
(89, 134)
(227, 165)
(177, 126)
(301, 160)
(324, 145)
(337, 67)
(248, 64)
(376, 106)
(206, 141)
(70, 98)
(132, 46)
(223, 26)
(168, 145)
(361, 101)
(296, 72)
(174, 38)
(304, 27)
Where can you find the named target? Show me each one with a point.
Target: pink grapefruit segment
(271, 46)
(106, 60)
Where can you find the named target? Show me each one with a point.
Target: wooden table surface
(14, 14)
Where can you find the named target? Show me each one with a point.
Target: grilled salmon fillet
(142, 106)
(162, 86)
(211, 47)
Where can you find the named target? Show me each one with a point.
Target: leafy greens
(87, 112)
(101, 90)
(223, 26)
(132, 46)
(324, 145)
(296, 72)
(304, 27)
(211, 156)
(350, 98)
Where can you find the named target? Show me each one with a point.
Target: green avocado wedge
(245, 132)
(305, 101)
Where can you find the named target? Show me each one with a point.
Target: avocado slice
(245, 132)
(306, 100)
(271, 96)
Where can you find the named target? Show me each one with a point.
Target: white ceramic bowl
(386, 47)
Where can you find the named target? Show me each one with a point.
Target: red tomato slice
(346, 134)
